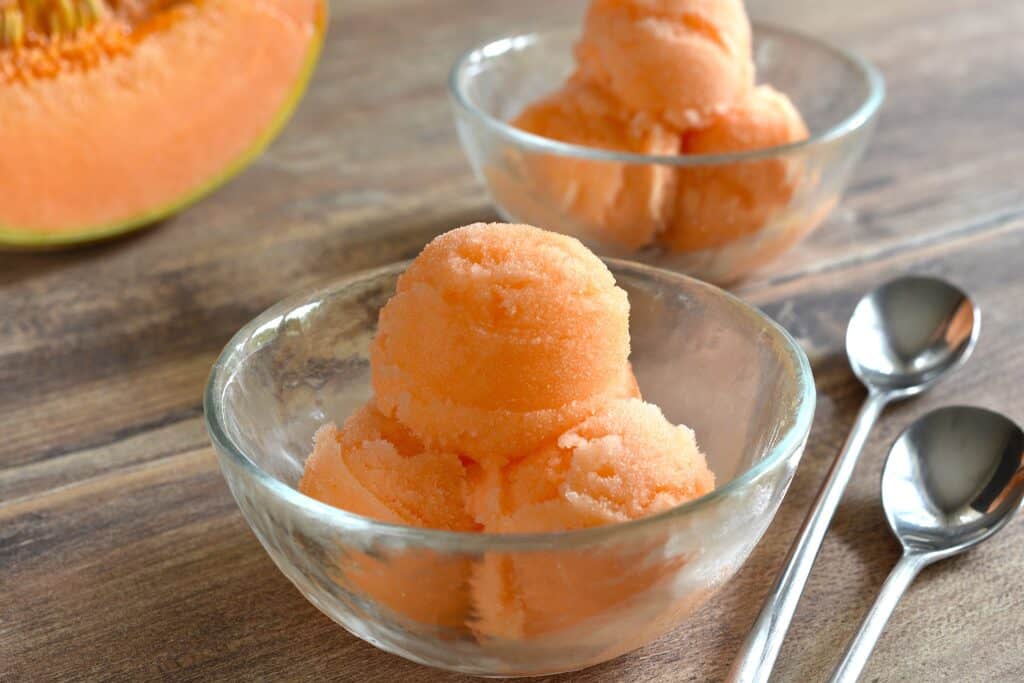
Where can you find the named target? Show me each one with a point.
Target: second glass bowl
(838, 94)
(513, 604)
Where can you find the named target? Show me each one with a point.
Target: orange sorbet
(499, 337)
(717, 204)
(375, 467)
(625, 462)
(679, 60)
(620, 204)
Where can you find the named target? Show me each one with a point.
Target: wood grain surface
(122, 554)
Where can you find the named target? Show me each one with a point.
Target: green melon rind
(22, 239)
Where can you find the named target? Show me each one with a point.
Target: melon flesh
(144, 111)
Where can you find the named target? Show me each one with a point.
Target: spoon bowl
(953, 479)
(909, 332)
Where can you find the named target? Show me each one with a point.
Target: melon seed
(13, 28)
(90, 11)
(47, 17)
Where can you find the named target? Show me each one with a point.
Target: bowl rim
(471, 542)
(862, 116)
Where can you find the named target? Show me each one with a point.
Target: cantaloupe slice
(116, 113)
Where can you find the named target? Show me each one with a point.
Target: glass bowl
(709, 360)
(744, 209)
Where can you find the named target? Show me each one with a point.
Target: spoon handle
(758, 652)
(859, 649)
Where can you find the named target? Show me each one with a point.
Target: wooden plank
(183, 433)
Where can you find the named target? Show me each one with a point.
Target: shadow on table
(17, 265)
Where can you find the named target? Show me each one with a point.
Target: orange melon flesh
(124, 121)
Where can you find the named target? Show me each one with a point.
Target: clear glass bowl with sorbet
(691, 142)
(498, 498)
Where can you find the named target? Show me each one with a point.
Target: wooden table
(122, 555)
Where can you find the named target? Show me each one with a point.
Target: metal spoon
(953, 479)
(902, 338)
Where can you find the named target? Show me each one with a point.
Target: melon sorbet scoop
(666, 78)
(505, 403)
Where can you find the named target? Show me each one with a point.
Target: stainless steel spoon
(953, 479)
(902, 338)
